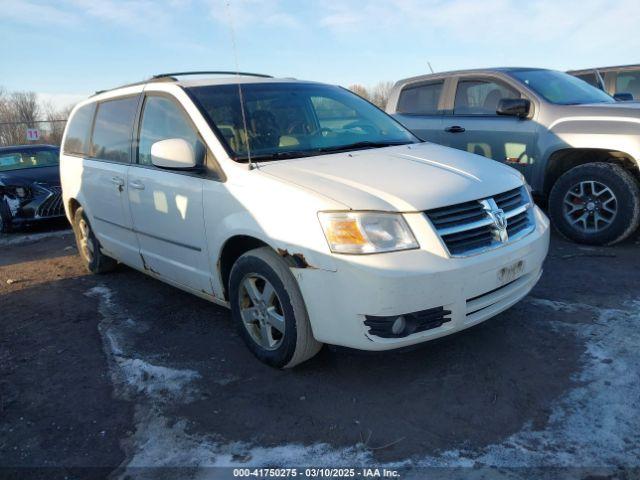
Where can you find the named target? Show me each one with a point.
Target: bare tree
(25, 107)
(8, 129)
(360, 90)
(380, 93)
(22, 110)
(56, 121)
(18, 111)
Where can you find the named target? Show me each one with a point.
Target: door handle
(118, 181)
(454, 129)
(137, 185)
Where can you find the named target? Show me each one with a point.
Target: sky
(66, 49)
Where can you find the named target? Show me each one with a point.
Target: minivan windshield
(561, 88)
(290, 120)
(19, 160)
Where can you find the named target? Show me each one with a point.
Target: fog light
(398, 326)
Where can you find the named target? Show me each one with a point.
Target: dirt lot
(120, 371)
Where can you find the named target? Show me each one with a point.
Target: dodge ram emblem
(499, 224)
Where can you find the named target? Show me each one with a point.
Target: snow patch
(160, 383)
(595, 424)
(134, 376)
(168, 444)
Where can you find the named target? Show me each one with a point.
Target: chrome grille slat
(509, 199)
(461, 218)
(52, 206)
(468, 227)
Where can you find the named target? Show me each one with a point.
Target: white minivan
(313, 215)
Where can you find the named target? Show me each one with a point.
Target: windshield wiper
(363, 144)
(264, 157)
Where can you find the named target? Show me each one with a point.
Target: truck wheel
(596, 204)
(89, 247)
(269, 310)
(6, 219)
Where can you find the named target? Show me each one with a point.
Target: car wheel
(596, 203)
(6, 219)
(89, 247)
(269, 310)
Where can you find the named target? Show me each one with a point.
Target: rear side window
(78, 131)
(112, 131)
(420, 99)
(480, 97)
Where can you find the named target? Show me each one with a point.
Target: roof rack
(171, 77)
(212, 72)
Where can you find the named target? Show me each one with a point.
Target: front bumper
(411, 281)
(44, 203)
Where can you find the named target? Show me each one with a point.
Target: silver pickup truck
(577, 147)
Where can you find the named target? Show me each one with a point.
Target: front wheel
(269, 310)
(596, 204)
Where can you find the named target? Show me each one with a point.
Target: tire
(6, 219)
(583, 216)
(89, 247)
(293, 342)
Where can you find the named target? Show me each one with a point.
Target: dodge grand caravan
(311, 214)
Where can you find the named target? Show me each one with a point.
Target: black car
(29, 185)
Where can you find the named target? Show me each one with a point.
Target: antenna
(430, 67)
(237, 72)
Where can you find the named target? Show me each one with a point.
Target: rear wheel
(269, 310)
(596, 203)
(89, 247)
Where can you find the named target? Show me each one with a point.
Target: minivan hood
(404, 178)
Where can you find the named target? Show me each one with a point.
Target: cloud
(30, 12)
(507, 20)
(242, 14)
(138, 14)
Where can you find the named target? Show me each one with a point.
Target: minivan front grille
(480, 225)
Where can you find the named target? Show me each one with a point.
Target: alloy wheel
(590, 206)
(261, 311)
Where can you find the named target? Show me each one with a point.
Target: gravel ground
(106, 375)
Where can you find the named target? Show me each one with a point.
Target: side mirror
(623, 97)
(176, 154)
(514, 107)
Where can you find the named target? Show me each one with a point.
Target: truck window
(590, 78)
(480, 97)
(628, 82)
(420, 99)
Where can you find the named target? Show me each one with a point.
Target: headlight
(366, 232)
